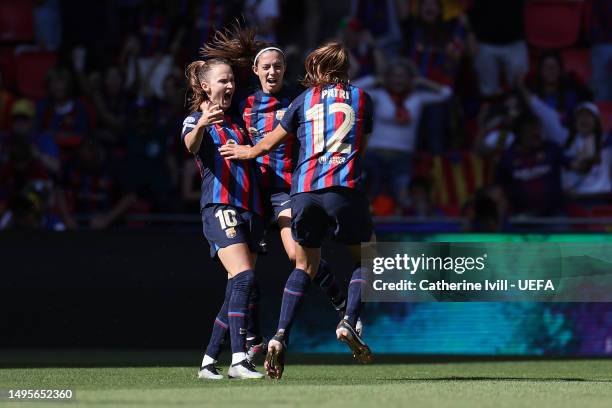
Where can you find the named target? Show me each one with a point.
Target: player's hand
(211, 114)
(236, 152)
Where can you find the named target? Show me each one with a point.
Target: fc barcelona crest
(230, 232)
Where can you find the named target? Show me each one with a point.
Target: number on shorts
(335, 144)
(227, 218)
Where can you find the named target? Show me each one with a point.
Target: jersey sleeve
(189, 123)
(368, 113)
(291, 119)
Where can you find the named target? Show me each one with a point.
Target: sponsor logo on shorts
(285, 202)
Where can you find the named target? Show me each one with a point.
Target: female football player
(230, 203)
(262, 110)
(331, 120)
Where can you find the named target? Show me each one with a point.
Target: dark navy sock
(238, 309)
(294, 292)
(325, 279)
(220, 325)
(353, 305)
(253, 325)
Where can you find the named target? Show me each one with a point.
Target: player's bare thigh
(237, 258)
(284, 225)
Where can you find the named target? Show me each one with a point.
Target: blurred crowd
(483, 109)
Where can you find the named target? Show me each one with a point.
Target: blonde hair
(196, 74)
(328, 64)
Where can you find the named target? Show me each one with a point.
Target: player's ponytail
(236, 44)
(196, 76)
(328, 64)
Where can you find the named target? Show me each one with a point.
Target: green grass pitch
(582, 383)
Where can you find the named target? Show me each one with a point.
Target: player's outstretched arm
(265, 145)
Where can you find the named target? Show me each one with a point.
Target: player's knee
(244, 279)
(310, 266)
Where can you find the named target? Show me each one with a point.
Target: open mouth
(272, 81)
(227, 98)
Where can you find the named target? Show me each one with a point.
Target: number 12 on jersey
(335, 143)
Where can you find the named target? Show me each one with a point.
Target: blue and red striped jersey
(331, 123)
(232, 182)
(262, 113)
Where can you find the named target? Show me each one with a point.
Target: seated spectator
(48, 24)
(420, 201)
(31, 209)
(148, 157)
(168, 112)
(498, 43)
(42, 143)
(487, 211)
(495, 122)
(112, 101)
(61, 114)
(397, 112)
(496, 119)
(148, 56)
(21, 171)
(589, 177)
(191, 186)
(436, 46)
(205, 17)
(530, 171)
(170, 108)
(265, 15)
(92, 191)
(6, 103)
(380, 18)
(601, 51)
(558, 89)
(366, 58)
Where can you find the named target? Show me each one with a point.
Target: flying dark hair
(236, 44)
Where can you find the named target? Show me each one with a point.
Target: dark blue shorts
(280, 201)
(339, 212)
(225, 225)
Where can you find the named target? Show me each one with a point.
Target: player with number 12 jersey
(331, 120)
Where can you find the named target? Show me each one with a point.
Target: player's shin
(219, 331)
(295, 289)
(237, 313)
(353, 306)
(326, 281)
(254, 323)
